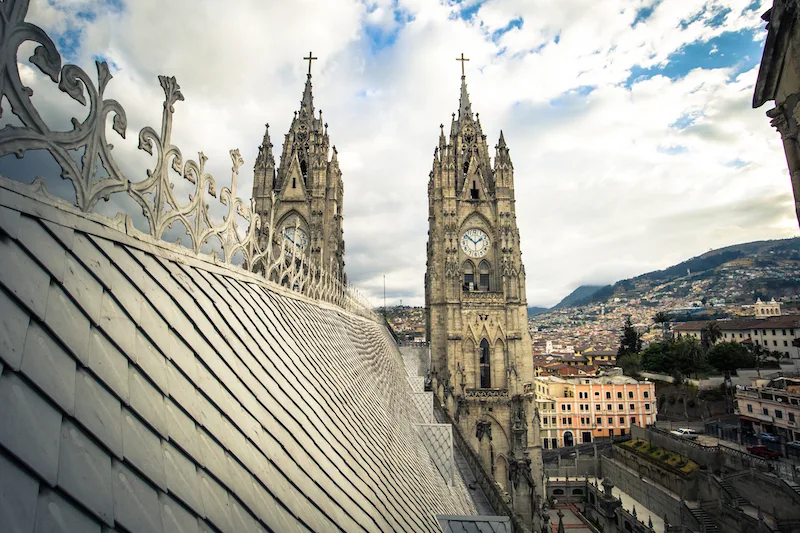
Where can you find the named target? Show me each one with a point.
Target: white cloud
(607, 186)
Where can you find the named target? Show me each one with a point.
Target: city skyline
(629, 123)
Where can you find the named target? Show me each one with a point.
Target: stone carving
(97, 176)
(483, 428)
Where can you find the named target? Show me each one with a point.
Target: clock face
(475, 243)
(295, 239)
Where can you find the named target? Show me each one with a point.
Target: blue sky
(626, 119)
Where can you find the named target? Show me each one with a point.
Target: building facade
(779, 81)
(776, 334)
(476, 310)
(767, 309)
(303, 197)
(774, 408)
(579, 410)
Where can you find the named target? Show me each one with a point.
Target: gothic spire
(464, 107)
(264, 157)
(307, 103)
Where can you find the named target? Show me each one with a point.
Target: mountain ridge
(773, 258)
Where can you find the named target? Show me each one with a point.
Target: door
(568, 439)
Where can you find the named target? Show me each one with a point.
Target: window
(620, 406)
(633, 420)
(630, 394)
(608, 407)
(749, 408)
(763, 332)
(765, 410)
(294, 182)
(757, 342)
(774, 343)
(783, 332)
(785, 343)
(474, 190)
(647, 407)
(564, 421)
(791, 332)
(563, 407)
(483, 282)
(546, 443)
(596, 393)
(619, 395)
(740, 335)
(599, 421)
(569, 407)
(553, 421)
(569, 420)
(773, 332)
(554, 443)
(791, 417)
(610, 421)
(778, 413)
(469, 275)
(608, 396)
(486, 371)
(597, 407)
(544, 421)
(622, 420)
(646, 394)
(633, 407)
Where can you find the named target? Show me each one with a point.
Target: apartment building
(774, 408)
(581, 409)
(774, 333)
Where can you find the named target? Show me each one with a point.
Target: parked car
(684, 433)
(794, 444)
(769, 437)
(762, 451)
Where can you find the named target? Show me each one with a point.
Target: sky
(630, 123)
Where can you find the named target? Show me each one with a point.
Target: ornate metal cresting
(260, 248)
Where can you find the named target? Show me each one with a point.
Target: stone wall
(656, 499)
(768, 492)
(682, 484)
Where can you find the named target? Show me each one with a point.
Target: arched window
(483, 281)
(304, 168)
(485, 367)
(469, 275)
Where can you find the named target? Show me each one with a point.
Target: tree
(729, 356)
(662, 319)
(630, 364)
(629, 342)
(689, 356)
(710, 334)
(655, 358)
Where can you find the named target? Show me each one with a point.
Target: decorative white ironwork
(260, 246)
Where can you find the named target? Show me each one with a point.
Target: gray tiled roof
(475, 524)
(143, 388)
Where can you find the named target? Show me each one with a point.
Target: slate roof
(147, 389)
(475, 524)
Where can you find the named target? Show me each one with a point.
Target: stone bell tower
(307, 185)
(477, 326)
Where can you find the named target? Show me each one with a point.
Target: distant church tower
(307, 185)
(476, 308)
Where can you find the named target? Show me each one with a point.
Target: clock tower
(308, 188)
(476, 309)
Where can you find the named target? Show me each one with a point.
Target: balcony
(497, 394)
(483, 297)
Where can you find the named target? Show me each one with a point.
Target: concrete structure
(307, 187)
(580, 410)
(779, 81)
(774, 408)
(768, 309)
(476, 307)
(775, 334)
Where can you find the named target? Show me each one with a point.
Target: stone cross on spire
(311, 58)
(462, 59)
